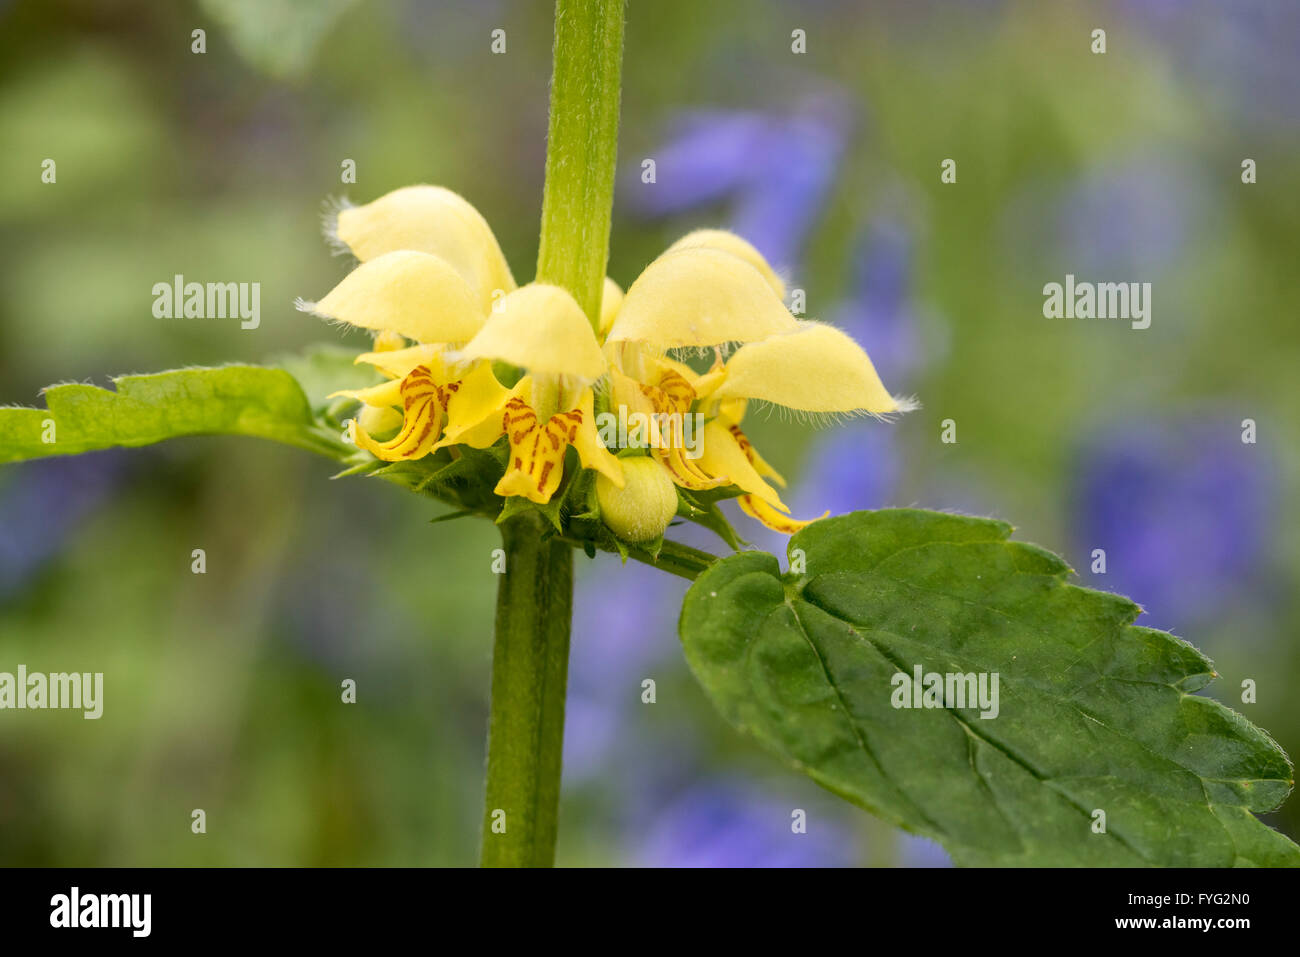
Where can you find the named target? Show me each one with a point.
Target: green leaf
(143, 409)
(1094, 712)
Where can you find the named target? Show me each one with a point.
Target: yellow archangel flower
(432, 272)
(709, 292)
(435, 289)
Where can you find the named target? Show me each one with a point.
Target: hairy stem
(676, 559)
(581, 148)
(530, 661)
(530, 657)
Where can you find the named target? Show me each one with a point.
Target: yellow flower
(431, 271)
(711, 291)
(435, 289)
(541, 328)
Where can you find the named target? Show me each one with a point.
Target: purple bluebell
(625, 622)
(1125, 220)
(1244, 52)
(880, 312)
(1132, 219)
(42, 503)
(708, 156)
(1183, 510)
(727, 823)
(776, 169)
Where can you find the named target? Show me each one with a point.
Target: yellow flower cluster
(435, 289)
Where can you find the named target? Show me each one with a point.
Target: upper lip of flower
(541, 328)
(432, 271)
(416, 294)
(699, 297)
(428, 219)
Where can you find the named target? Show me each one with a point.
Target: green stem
(535, 597)
(530, 663)
(581, 149)
(676, 559)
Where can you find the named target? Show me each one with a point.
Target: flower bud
(642, 509)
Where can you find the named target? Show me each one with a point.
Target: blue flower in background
(708, 156)
(42, 504)
(776, 168)
(1134, 217)
(1248, 56)
(1130, 219)
(1183, 512)
(625, 620)
(856, 468)
(880, 312)
(724, 824)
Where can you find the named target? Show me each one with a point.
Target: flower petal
(686, 471)
(760, 464)
(591, 451)
(700, 297)
(731, 243)
(755, 507)
(379, 420)
(611, 300)
(724, 457)
(627, 394)
(379, 396)
(475, 406)
(386, 341)
(429, 219)
(669, 391)
(536, 452)
(542, 329)
(817, 368)
(733, 410)
(422, 416)
(659, 363)
(415, 294)
(397, 363)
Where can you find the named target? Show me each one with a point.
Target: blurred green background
(223, 689)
